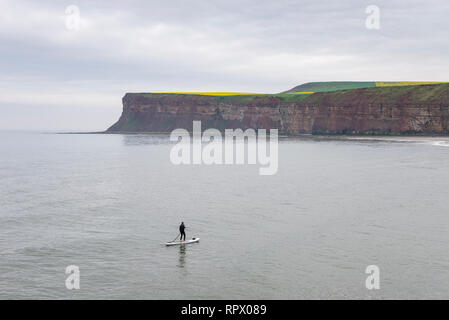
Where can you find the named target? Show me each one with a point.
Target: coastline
(391, 138)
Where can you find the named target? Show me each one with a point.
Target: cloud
(260, 46)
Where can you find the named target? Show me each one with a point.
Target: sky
(65, 65)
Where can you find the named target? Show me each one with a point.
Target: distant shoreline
(312, 136)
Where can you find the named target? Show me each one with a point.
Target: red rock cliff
(420, 109)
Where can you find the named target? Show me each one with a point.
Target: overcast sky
(57, 74)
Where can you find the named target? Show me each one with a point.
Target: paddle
(176, 237)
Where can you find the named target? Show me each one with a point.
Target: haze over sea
(106, 203)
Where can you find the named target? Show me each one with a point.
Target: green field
(299, 92)
(348, 85)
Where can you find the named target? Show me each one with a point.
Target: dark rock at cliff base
(421, 109)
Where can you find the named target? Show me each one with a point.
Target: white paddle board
(176, 243)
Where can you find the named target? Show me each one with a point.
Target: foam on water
(441, 143)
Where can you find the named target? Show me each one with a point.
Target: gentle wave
(441, 143)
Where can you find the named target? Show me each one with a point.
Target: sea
(337, 208)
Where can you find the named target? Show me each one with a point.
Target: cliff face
(420, 109)
(166, 112)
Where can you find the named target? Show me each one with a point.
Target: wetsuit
(181, 230)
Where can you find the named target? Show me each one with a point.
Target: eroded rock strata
(422, 109)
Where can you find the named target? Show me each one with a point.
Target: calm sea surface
(105, 203)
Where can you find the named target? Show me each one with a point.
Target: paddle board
(175, 243)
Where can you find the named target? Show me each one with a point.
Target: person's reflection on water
(182, 256)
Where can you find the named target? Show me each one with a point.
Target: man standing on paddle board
(181, 230)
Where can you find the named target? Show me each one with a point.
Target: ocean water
(106, 203)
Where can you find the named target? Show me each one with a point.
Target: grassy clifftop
(330, 93)
(348, 85)
(409, 94)
(313, 92)
(300, 92)
(231, 96)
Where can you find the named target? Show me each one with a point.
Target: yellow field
(213, 93)
(405, 83)
(363, 85)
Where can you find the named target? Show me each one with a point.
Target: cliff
(418, 109)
